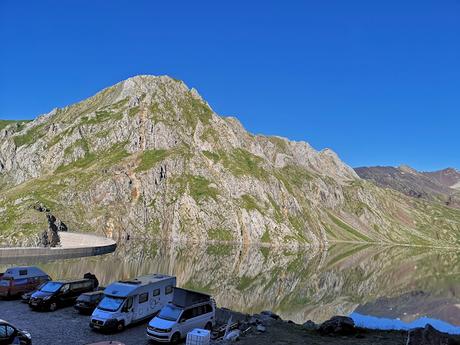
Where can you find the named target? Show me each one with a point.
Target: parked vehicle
(10, 334)
(188, 310)
(130, 301)
(88, 301)
(61, 293)
(25, 297)
(18, 280)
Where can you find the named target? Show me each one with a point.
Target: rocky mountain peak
(149, 158)
(449, 177)
(407, 169)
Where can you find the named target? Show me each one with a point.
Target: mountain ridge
(148, 157)
(436, 186)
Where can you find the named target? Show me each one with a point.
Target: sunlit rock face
(297, 284)
(148, 158)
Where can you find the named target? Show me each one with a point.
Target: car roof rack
(133, 281)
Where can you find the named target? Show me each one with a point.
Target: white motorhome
(130, 301)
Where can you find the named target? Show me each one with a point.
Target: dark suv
(12, 335)
(88, 301)
(56, 294)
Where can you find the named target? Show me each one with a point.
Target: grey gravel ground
(64, 326)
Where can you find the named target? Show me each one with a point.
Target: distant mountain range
(439, 186)
(148, 158)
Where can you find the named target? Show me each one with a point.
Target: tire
(120, 326)
(175, 338)
(208, 326)
(53, 306)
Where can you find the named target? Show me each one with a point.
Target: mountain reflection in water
(299, 285)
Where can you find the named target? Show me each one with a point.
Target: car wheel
(53, 306)
(120, 326)
(175, 338)
(208, 326)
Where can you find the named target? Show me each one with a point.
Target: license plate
(33, 303)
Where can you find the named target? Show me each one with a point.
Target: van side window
(82, 285)
(197, 311)
(88, 284)
(207, 308)
(76, 286)
(22, 272)
(168, 289)
(187, 314)
(156, 292)
(143, 297)
(129, 302)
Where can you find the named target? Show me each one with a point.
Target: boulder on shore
(429, 336)
(338, 325)
(310, 326)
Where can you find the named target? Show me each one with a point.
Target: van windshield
(111, 303)
(170, 313)
(51, 287)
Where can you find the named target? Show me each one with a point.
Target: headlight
(26, 334)
(46, 298)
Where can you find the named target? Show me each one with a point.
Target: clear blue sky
(377, 81)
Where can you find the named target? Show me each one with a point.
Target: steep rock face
(149, 158)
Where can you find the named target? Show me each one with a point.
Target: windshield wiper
(166, 318)
(106, 309)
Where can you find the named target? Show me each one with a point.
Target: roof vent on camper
(134, 281)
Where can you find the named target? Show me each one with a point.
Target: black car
(61, 293)
(12, 335)
(25, 297)
(87, 302)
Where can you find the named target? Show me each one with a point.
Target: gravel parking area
(64, 326)
(67, 327)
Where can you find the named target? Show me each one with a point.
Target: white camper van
(187, 311)
(130, 301)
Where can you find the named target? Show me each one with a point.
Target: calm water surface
(381, 287)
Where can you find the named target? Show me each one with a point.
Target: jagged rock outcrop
(149, 158)
(50, 236)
